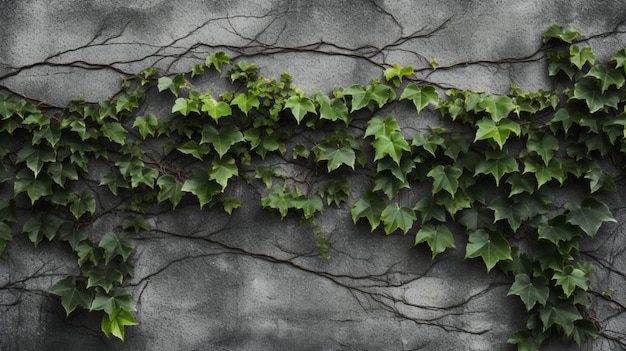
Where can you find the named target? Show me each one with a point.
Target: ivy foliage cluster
(496, 174)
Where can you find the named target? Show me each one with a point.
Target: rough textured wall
(207, 281)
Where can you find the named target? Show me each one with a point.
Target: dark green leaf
(71, 295)
(368, 206)
(116, 244)
(438, 238)
(169, 189)
(589, 216)
(445, 178)
(335, 154)
(563, 315)
(222, 139)
(490, 246)
(530, 292)
(395, 217)
(199, 184)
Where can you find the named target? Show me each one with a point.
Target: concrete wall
(207, 281)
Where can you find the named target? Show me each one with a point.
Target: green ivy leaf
(217, 60)
(169, 189)
(428, 210)
(70, 232)
(378, 127)
(84, 203)
(309, 205)
(216, 109)
(38, 228)
(544, 173)
(498, 132)
(530, 292)
(111, 301)
(71, 295)
(396, 217)
(172, 84)
(332, 109)
(195, 150)
(490, 246)
(497, 167)
(300, 106)
(438, 238)
(587, 89)
(186, 106)
(589, 216)
(35, 158)
(223, 169)
(421, 96)
(570, 278)
(392, 146)
(475, 218)
(36, 187)
(335, 155)
(543, 144)
(143, 175)
(230, 204)
(368, 206)
(445, 178)
(579, 57)
(279, 199)
(557, 230)
(396, 72)
(104, 279)
(607, 78)
(498, 108)
(147, 125)
(222, 139)
(246, 102)
(563, 315)
(199, 184)
(555, 31)
(265, 174)
(337, 190)
(114, 323)
(115, 132)
(116, 244)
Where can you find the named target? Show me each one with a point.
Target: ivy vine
(494, 169)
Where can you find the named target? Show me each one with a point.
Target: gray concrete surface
(206, 281)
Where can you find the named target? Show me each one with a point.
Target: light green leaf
(490, 246)
(71, 295)
(557, 32)
(421, 96)
(498, 108)
(223, 169)
(445, 178)
(217, 60)
(216, 109)
(438, 238)
(589, 216)
(396, 72)
(147, 125)
(498, 132)
(332, 109)
(186, 106)
(246, 102)
(300, 106)
(378, 127)
(230, 204)
(114, 323)
(396, 217)
(172, 84)
(109, 302)
(115, 132)
(530, 292)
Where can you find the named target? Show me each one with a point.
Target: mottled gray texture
(206, 281)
